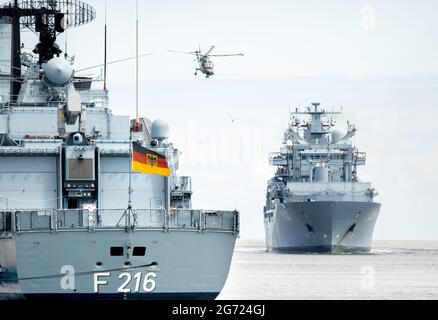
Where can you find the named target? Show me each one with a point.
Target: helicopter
(206, 66)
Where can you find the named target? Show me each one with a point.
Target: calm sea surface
(394, 270)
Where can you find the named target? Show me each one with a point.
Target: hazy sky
(377, 59)
(312, 37)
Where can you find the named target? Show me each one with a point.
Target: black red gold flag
(149, 162)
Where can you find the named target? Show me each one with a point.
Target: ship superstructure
(77, 221)
(316, 201)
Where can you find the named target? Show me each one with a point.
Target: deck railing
(20, 221)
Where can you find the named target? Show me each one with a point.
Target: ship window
(116, 251)
(139, 251)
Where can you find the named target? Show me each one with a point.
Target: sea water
(393, 270)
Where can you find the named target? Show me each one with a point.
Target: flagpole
(129, 211)
(130, 170)
(136, 120)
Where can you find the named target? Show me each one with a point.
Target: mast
(137, 119)
(105, 52)
(15, 54)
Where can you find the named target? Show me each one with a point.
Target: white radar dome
(58, 71)
(337, 134)
(289, 143)
(160, 130)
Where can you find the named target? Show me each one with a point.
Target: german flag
(149, 162)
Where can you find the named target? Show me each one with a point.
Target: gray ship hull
(9, 288)
(191, 265)
(8, 264)
(333, 227)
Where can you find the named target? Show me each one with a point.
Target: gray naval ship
(316, 202)
(76, 221)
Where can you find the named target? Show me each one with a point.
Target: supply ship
(316, 201)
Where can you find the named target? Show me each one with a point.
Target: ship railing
(6, 222)
(40, 101)
(123, 218)
(204, 220)
(276, 156)
(277, 159)
(94, 97)
(222, 220)
(361, 156)
(97, 98)
(12, 221)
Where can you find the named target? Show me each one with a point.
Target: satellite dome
(289, 144)
(337, 134)
(160, 130)
(58, 71)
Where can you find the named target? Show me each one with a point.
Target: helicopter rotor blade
(181, 52)
(228, 55)
(210, 51)
(113, 62)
